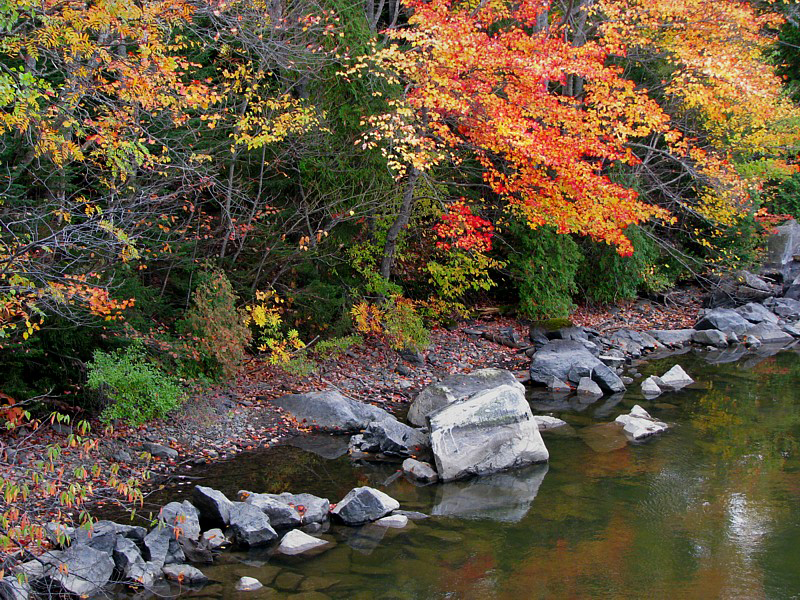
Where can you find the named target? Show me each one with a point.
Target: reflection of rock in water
(604, 437)
(366, 538)
(503, 496)
(608, 405)
(326, 446)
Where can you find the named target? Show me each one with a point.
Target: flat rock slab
(297, 542)
(457, 387)
(330, 411)
(757, 313)
(674, 338)
(725, 320)
(420, 471)
(544, 422)
(364, 504)
(489, 432)
(638, 424)
(185, 574)
(767, 333)
(393, 521)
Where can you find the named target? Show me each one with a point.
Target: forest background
(185, 183)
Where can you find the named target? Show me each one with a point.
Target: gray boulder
(768, 333)
(787, 308)
(674, 379)
(457, 387)
(330, 411)
(183, 518)
(160, 451)
(250, 526)
(588, 388)
(281, 514)
(364, 504)
(185, 574)
(419, 471)
(213, 505)
(674, 338)
(312, 509)
(491, 431)
(757, 313)
(639, 425)
(554, 384)
(394, 438)
(710, 337)
(131, 565)
(214, 539)
(80, 569)
(723, 319)
(161, 547)
(297, 542)
(561, 357)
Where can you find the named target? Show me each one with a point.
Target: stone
(554, 384)
(710, 337)
(544, 422)
(80, 569)
(393, 521)
(491, 431)
(419, 471)
(559, 357)
(364, 504)
(183, 518)
(160, 451)
(312, 509)
(723, 319)
(412, 355)
(161, 547)
(12, 589)
(757, 313)
(768, 333)
(787, 308)
(248, 584)
(578, 372)
(213, 505)
(413, 515)
(281, 514)
(612, 361)
(674, 338)
(394, 438)
(131, 566)
(297, 542)
(330, 411)
(588, 388)
(792, 330)
(185, 574)
(638, 424)
(675, 379)
(214, 539)
(650, 388)
(457, 387)
(250, 526)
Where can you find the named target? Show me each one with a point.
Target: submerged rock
(457, 387)
(248, 584)
(364, 504)
(419, 471)
(491, 431)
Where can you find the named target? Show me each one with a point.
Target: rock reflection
(503, 496)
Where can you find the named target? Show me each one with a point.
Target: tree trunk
(400, 222)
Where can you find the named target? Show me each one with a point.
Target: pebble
(248, 584)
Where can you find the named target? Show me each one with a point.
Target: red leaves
(460, 228)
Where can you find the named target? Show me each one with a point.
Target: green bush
(137, 389)
(543, 265)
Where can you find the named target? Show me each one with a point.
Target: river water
(709, 510)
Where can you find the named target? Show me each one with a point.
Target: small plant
(396, 321)
(137, 389)
(265, 316)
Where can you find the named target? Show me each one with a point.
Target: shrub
(138, 390)
(543, 264)
(218, 328)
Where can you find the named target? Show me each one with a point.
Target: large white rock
(675, 379)
(489, 432)
(639, 425)
(650, 388)
(298, 542)
(545, 422)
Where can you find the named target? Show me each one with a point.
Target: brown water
(709, 510)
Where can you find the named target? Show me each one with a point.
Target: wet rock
(393, 521)
(588, 388)
(213, 506)
(457, 387)
(491, 431)
(131, 565)
(296, 542)
(419, 471)
(554, 384)
(161, 547)
(185, 574)
(80, 570)
(674, 338)
(248, 584)
(544, 422)
(638, 424)
(281, 514)
(364, 504)
(710, 337)
(183, 518)
(250, 526)
(757, 313)
(330, 411)
(160, 451)
(413, 515)
(650, 388)
(560, 357)
(312, 509)
(768, 333)
(214, 539)
(675, 379)
(394, 439)
(725, 320)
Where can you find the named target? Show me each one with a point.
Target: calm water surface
(709, 510)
